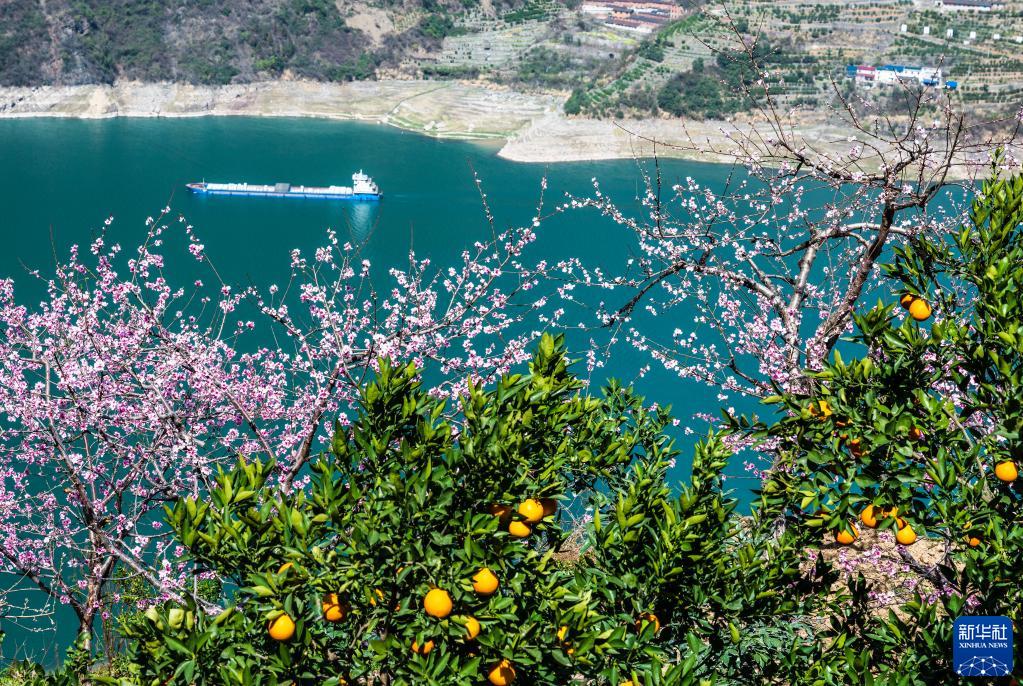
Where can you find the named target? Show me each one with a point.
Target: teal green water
(59, 180)
(62, 178)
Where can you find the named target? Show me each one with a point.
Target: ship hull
(202, 190)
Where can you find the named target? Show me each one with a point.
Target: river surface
(60, 179)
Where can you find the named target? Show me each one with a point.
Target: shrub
(437, 26)
(574, 104)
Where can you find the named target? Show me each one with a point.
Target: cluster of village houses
(640, 16)
(890, 74)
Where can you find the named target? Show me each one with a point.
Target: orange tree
(919, 436)
(727, 594)
(424, 551)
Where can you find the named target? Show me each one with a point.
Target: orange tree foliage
(407, 502)
(920, 421)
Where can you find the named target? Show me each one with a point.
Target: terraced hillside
(693, 68)
(689, 67)
(978, 49)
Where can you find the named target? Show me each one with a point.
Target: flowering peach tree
(123, 389)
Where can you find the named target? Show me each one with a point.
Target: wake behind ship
(362, 188)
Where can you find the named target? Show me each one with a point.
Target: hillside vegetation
(693, 66)
(203, 41)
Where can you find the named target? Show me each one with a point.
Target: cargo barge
(362, 188)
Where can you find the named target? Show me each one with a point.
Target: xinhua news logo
(982, 646)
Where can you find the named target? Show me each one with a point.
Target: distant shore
(529, 127)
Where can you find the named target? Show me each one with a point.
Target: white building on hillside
(971, 5)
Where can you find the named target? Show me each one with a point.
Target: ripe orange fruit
(379, 595)
(285, 567)
(919, 309)
(1006, 471)
(855, 447)
(422, 650)
(627, 682)
(650, 617)
(820, 408)
(871, 515)
(846, 536)
(550, 506)
(472, 628)
(503, 512)
(562, 632)
(501, 673)
(906, 535)
(282, 628)
(971, 540)
(333, 611)
(906, 300)
(916, 433)
(519, 529)
(485, 582)
(531, 511)
(437, 603)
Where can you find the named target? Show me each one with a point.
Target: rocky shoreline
(530, 127)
